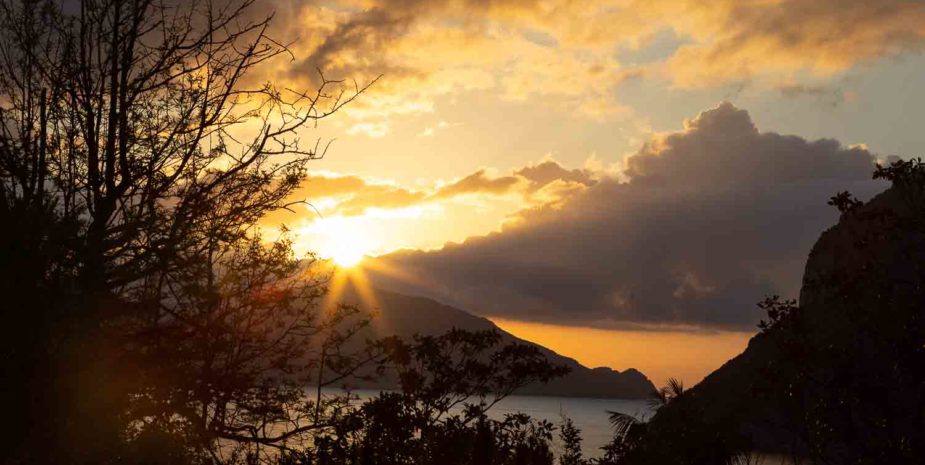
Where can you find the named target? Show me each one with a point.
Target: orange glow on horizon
(659, 355)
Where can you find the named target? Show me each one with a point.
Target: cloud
(478, 182)
(371, 129)
(347, 195)
(742, 40)
(431, 130)
(566, 55)
(379, 196)
(709, 220)
(546, 172)
(427, 49)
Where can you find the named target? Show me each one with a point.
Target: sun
(342, 241)
(347, 256)
(345, 243)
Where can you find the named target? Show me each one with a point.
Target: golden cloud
(565, 53)
(478, 182)
(741, 40)
(347, 195)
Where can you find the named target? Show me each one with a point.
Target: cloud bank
(706, 221)
(545, 183)
(565, 54)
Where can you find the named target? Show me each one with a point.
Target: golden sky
(570, 165)
(686, 355)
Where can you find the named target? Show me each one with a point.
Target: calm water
(589, 415)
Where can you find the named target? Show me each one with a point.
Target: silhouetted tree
(678, 435)
(439, 416)
(570, 435)
(781, 313)
(149, 321)
(135, 160)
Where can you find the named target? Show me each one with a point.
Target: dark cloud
(722, 147)
(710, 220)
(356, 45)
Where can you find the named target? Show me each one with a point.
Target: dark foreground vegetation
(146, 320)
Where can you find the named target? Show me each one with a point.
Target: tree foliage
(136, 155)
(148, 319)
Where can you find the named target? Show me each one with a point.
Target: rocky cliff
(840, 378)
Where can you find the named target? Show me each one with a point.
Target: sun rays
(347, 279)
(354, 280)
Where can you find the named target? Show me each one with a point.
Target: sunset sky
(620, 181)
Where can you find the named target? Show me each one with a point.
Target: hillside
(403, 315)
(839, 378)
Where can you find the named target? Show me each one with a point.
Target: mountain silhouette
(404, 315)
(837, 378)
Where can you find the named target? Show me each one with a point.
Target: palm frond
(671, 391)
(622, 423)
(675, 388)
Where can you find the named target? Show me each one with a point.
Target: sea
(589, 415)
